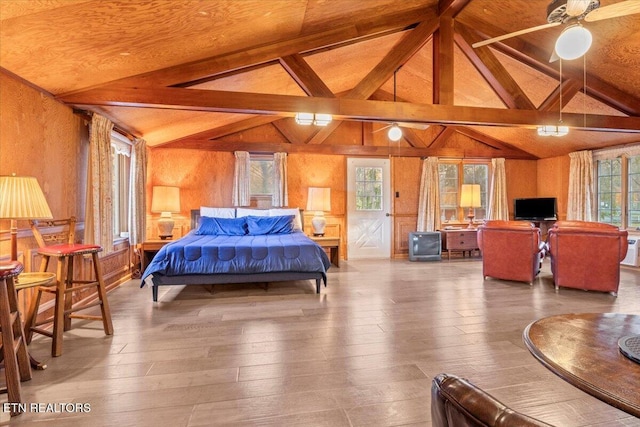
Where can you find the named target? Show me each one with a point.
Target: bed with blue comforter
(238, 250)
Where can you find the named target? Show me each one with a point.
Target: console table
(463, 239)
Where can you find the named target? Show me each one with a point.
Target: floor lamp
(21, 198)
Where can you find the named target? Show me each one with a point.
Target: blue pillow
(224, 226)
(270, 224)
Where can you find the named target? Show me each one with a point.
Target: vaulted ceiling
(231, 74)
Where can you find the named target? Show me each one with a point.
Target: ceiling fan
(395, 133)
(575, 40)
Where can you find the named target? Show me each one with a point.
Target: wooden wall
(41, 137)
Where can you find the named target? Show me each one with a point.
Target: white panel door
(368, 208)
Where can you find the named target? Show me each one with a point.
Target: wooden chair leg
(68, 294)
(58, 315)
(102, 294)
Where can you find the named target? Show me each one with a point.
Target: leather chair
(511, 250)
(586, 255)
(455, 402)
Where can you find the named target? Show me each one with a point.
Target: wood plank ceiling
(231, 74)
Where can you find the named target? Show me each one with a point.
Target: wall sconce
(319, 200)
(470, 198)
(166, 200)
(317, 119)
(21, 198)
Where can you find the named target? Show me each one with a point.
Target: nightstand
(331, 243)
(149, 249)
(464, 239)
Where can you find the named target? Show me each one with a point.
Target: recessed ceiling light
(203, 13)
(124, 54)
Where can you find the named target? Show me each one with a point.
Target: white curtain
(241, 179)
(138, 192)
(99, 208)
(580, 204)
(498, 204)
(429, 197)
(280, 192)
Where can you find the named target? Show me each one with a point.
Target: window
(452, 175)
(262, 176)
(121, 161)
(369, 189)
(618, 191)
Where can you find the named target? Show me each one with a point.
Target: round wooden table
(582, 349)
(31, 280)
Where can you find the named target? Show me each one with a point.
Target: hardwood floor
(363, 352)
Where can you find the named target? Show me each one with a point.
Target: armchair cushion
(511, 250)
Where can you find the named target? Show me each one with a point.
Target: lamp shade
(165, 199)
(470, 196)
(319, 199)
(21, 198)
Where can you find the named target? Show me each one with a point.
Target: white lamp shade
(21, 198)
(395, 133)
(470, 196)
(573, 42)
(165, 199)
(319, 199)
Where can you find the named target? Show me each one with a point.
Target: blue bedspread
(221, 254)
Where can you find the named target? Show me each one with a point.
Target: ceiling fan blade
(383, 128)
(517, 33)
(624, 8)
(419, 126)
(554, 56)
(577, 7)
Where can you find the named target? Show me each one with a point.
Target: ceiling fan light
(395, 133)
(573, 42)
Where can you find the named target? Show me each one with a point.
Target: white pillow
(240, 212)
(217, 212)
(297, 221)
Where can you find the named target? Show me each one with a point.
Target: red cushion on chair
(10, 269)
(68, 249)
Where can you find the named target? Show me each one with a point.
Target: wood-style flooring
(363, 352)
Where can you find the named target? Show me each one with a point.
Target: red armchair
(511, 250)
(586, 255)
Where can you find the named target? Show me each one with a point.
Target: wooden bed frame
(217, 279)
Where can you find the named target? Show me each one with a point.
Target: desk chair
(14, 346)
(66, 253)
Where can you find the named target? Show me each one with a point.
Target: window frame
(121, 170)
(625, 196)
(261, 157)
(461, 213)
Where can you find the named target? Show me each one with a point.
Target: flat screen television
(536, 209)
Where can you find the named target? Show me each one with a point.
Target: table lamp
(165, 200)
(319, 201)
(470, 198)
(21, 198)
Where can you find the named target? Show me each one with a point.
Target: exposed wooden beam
(205, 69)
(488, 140)
(443, 72)
(569, 89)
(538, 59)
(441, 139)
(345, 150)
(341, 108)
(305, 76)
(492, 70)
